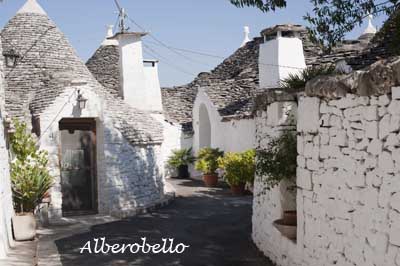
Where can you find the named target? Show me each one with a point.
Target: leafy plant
(207, 160)
(181, 157)
(279, 161)
(239, 167)
(299, 80)
(30, 178)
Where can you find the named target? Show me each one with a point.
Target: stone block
(313, 165)
(324, 121)
(304, 180)
(395, 201)
(395, 123)
(356, 180)
(340, 139)
(382, 111)
(396, 93)
(370, 113)
(335, 121)
(371, 129)
(362, 145)
(383, 100)
(308, 120)
(384, 126)
(375, 147)
(392, 140)
(394, 235)
(308, 150)
(394, 107)
(385, 162)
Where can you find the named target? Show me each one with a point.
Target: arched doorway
(204, 127)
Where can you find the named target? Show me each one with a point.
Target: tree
(330, 20)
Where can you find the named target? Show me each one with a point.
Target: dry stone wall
(348, 178)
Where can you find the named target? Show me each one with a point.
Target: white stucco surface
(278, 58)
(234, 135)
(140, 84)
(153, 88)
(6, 208)
(128, 177)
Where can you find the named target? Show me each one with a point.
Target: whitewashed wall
(174, 139)
(6, 209)
(234, 135)
(348, 197)
(128, 177)
(268, 205)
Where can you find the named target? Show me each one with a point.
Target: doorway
(78, 166)
(204, 127)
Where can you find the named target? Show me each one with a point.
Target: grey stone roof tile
(47, 60)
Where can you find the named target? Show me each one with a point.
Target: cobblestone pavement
(216, 226)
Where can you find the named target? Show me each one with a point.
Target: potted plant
(207, 163)
(30, 181)
(239, 169)
(180, 160)
(277, 166)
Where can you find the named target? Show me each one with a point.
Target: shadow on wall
(225, 242)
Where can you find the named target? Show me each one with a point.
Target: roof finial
(31, 6)
(246, 35)
(371, 29)
(109, 34)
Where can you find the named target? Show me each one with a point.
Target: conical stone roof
(46, 59)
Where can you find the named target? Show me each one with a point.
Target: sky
(208, 26)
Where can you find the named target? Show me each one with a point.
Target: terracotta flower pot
(210, 180)
(238, 190)
(290, 217)
(24, 227)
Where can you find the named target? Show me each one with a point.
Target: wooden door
(78, 166)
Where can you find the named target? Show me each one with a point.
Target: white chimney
(246, 36)
(281, 54)
(135, 81)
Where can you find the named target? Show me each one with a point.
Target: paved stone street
(216, 225)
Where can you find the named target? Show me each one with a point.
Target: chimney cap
(283, 28)
(139, 34)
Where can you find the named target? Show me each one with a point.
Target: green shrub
(181, 157)
(279, 161)
(207, 160)
(30, 178)
(239, 167)
(299, 80)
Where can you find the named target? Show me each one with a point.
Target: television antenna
(122, 16)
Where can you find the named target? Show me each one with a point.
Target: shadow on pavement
(216, 226)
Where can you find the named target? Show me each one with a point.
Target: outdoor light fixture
(81, 100)
(11, 58)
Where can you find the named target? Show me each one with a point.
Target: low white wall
(348, 197)
(269, 204)
(234, 135)
(6, 209)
